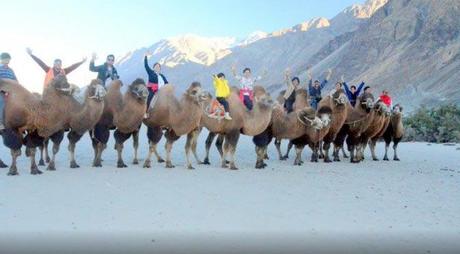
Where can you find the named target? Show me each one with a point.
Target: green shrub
(439, 125)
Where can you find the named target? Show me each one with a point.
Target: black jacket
(103, 71)
(153, 76)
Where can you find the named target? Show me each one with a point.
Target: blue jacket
(7, 73)
(316, 92)
(353, 96)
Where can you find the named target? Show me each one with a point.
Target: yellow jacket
(221, 86)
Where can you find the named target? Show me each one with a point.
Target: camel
(250, 123)
(375, 128)
(373, 141)
(285, 125)
(124, 113)
(394, 132)
(358, 120)
(40, 118)
(178, 117)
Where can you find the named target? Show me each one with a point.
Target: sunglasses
(110, 59)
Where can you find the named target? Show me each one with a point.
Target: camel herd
(33, 119)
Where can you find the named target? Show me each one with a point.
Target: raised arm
(45, 67)
(347, 89)
(74, 66)
(287, 76)
(328, 76)
(360, 87)
(92, 67)
(146, 63)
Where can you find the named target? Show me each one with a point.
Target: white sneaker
(227, 116)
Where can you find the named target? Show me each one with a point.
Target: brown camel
(285, 125)
(375, 127)
(178, 117)
(394, 132)
(358, 120)
(249, 123)
(41, 118)
(373, 141)
(124, 113)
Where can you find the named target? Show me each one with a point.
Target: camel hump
(168, 88)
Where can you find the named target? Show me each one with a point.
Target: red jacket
(386, 99)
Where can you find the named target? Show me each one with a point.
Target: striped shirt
(6, 72)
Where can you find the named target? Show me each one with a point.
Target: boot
(227, 116)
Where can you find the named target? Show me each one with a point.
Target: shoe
(227, 116)
(2, 127)
(146, 115)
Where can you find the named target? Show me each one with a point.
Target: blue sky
(71, 30)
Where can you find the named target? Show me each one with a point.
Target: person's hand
(329, 71)
(287, 73)
(84, 59)
(93, 57)
(29, 51)
(148, 53)
(342, 78)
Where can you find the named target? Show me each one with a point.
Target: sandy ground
(408, 202)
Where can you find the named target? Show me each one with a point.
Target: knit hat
(5, 55)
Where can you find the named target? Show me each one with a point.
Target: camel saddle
(215, 110)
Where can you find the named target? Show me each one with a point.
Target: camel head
(340, 98)
(397, 110)
(325, 113)
(139, 89)
(380, 108)
(96, 91)
(60, 84)
(262, 97)
(366, 102)
(196, 93)
(307, 116)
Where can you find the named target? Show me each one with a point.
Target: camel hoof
(147, 164)
(169, 165)
(327, 160)
(41, 162)
(396, 159)
(3, 165)
(346, 156)
(375, 159)
(224, 165)
(227, 162)
(385, 159)
(35, 171)
(121, 164)
(73, 164)
(47, 159)
(355, 161)
(51, 167)
(13, 171)
(321, 156)
(190, 167)
(336, 159)
(161, 160)
(233, 168)
(260, 165)
(135, 162)
(206, 162)
(266, 157)
(97, 164)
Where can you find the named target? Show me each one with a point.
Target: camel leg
(73, 138)
(209, 141)
(286, 156)
(154, 135)
(97, 162)
(56, 139)
(326, 146)
(298, 157)
(260, 152)
(136, 147)
(372, 145)
(170, 138)
(188, 147)
(33, 165)
(387, 145)
(320, 150)
(232, 141)
(278, 148)
(344, 153)
(100, 136)
(152, 149)
(14, 157)
(395, 149)
(196, 134)
(41, 162)
(120, 138)
(44, 150)
(2, 164)
(315, 150)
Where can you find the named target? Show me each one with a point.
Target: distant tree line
(439, 125)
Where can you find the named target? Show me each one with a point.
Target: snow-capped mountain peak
(253, 37)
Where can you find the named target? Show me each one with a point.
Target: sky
(72, 30)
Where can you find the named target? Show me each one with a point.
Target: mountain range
(409, 47)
